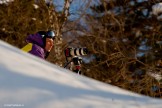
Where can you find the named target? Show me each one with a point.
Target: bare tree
(57, 21)
(123, 42)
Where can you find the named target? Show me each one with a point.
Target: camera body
(71, 52)
(75, 65)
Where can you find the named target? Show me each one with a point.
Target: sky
(76, 7)
(30, 82)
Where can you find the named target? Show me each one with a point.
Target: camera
(73, 61)
(70, 52)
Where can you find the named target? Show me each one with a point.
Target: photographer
(40, 44)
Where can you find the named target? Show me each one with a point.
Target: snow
(30, 82)
(35, 6)
(5, 1)
(157, 8)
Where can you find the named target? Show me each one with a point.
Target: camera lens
(69, 52)
(80, 51)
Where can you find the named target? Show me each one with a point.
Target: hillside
(29, 82)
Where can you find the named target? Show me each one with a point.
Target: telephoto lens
(70, 52)
(79, 51)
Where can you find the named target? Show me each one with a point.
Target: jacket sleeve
(28, 47)
(34, 50)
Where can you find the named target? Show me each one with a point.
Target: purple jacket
(35, 45)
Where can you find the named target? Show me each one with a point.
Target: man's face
(49, 44)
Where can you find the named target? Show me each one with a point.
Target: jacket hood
(36, 39)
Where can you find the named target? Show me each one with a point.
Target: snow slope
(29, 82)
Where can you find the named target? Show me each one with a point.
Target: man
(40, 44)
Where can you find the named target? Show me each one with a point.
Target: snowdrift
(29, 82)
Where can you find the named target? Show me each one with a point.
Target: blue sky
(75, 6)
